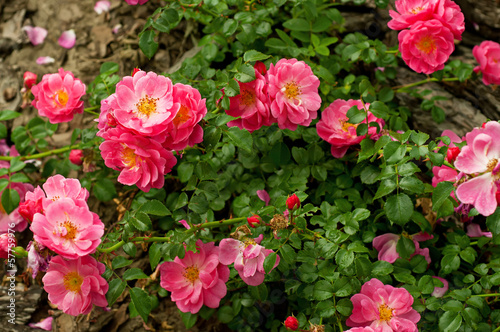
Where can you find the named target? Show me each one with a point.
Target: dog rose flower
(75, 285)
(426, 46)
(58, 96)
(293, 92)
(184, 129)
(248, 258)
(251, 106)
(141, 161)
(487, 54)
(6, 242)
(361, 329)
(409, 12)
(197, 279)
(68, 229)
(386, 246)
(450, 14)
(383, 308)
(334, 128)
(480, 157)
(14, 217)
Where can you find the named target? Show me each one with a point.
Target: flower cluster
(286, 94)
(58, 96)
(433, 26)
(334, 128)
(62, 222)
(143, 121)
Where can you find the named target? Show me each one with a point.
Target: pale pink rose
(440, 291)
(450, 14)
(334, 128)
(75, 285)
(7, 242)
(136, 2)
(383, 308)
(14, 216)
(197, 279)
(44, 60)
(410, 12)
(264, 196)
(44, 324)
(361, 329)
(189, 109)
(106, 117)
(141, 161)
(293, 93)
(474, 230)
(58, 96)
(480, 158)
(251, 106)
(68, 229)
(426, 46)
(57, 187)
(444, 173)
(143, 103)
(67, 39)
(35, 34)
(248, 258)
(487, 54)
(102, 6)
(386, 246)
(38, 258)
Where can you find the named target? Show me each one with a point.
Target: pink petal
(480, 192)
(43, 60)
(44, 324)
(116, 28)
(102, 6)
(67, 39)
(36, 35)
(264, 196)
(184, 223)
(474, 230)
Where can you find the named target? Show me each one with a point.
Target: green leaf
(344, 258)
(450, 262)
(440, 194)
(394, 152)
(382, 268)
(116, 288)
(412, 184)
(120, 262)
(322, 290)
(134, 273)
(325, 309)
(253, 55)
(104, 190)
(10, 200)
(245, 74)
(386, 187)
(280, 154)
(269, 262)
(450, 322)
(141, 222)
(19, 177)
(297, 24)
(199, 204)
(185, 170)
(188, 319)
(204, 171)
(209, 52)
(225, 314)
(399, 208)
(405, 247)
(232, 89)
(8, 115)
(155, 254)
(16, 165)
(109, 68)
(141, 301)
(386, 94)
(147, 43)
(344, 306)
(154, 207)
(229, 27)
(241, 138)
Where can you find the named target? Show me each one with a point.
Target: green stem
(135, 239)
(214, 224)
(427, 80)
(90, 109)
(391, 51)
(487, 295)
(497, 329)
(43, 154)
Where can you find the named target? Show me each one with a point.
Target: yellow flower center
(191, 273)
(62, 97)
(292, 90)
(247, 97)
(71, 230)
(416, 10)
(129, 157)
(146, 106)
(73, 281)
(406, 235)
(426, 44)
(182, 115)
(248, 242)
(491, 164)
(346, 125)
(385, 312)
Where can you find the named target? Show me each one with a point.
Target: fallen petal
(67, 39)
(35, 34)
(44, 324)
(102, 6)
(43, 60)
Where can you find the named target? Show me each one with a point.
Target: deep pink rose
(426, 46)
(141, 161)
(383, 308)
(293, 93)
(487, 54)
(334, 128)
(14, 217)
(76, 157)
(409, 12)
(7, 242)
(136, 2)
(197, 279)
(58, 96)
(75, 285)
(450, 14)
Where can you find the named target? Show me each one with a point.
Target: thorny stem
(90, 110)
(43, 154)
(401, 88)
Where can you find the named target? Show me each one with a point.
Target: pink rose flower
(386, 246)
(184, 129)
(29, 79)
(383, 308)
(58, 96)
(57, 187)
(197, 279)
(106, 117)
(36, 35)
(334, 128)
(44, 324)
(75, 285)
(141, 161)
(67, 39)
(68, 229)
(251, 106)
(38, 258)
(6, 242)
(361, 329)
(410, 12)
(487, 54)
(248, 258)
(444, 173)
(480, 158)
(293, 93)
(14, 217)
(136, 2)
(143, 103)
(440, 291)
(474, 230)
(426, 46)
(450, 14)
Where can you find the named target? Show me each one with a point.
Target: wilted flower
(487, 54)
(38, 258)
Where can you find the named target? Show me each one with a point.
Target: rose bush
(272, 181)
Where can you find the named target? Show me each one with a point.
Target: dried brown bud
(278, 222)
(240, 232)
(317, 328)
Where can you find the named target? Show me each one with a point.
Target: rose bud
(293, 202)
(76, 157)
(253, 220)
(291, 323)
